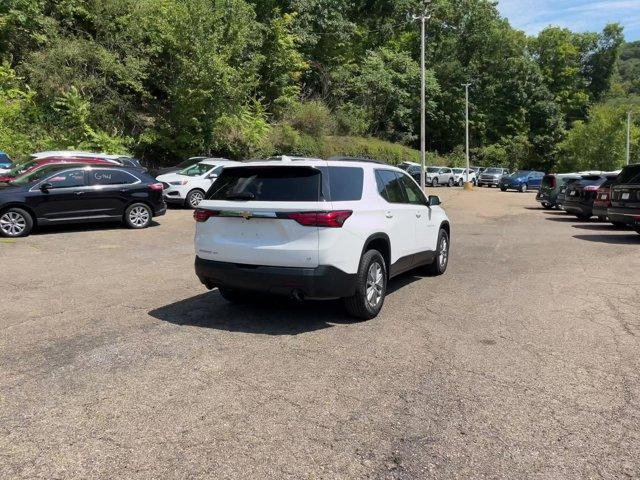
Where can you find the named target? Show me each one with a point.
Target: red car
(32, 165)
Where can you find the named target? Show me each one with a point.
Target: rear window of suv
(630, 174)
(267, 184)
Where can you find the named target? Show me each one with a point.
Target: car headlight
(181, 182)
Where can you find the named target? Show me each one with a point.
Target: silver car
(491, 176)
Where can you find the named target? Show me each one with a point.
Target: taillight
(333, 219)
(156, 186)
(202, 215)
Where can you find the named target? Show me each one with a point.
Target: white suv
(188, 186)
(460, 176)
(317, 229)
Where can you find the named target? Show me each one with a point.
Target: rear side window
(389, 186)
(345, 183)
(267, 184)
(548, 181)
(630, 174)
(111, 177)
(412, 191)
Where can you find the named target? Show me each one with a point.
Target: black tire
(475, 182)
(461, 183)
(638, 230)
(440, 263)
(15, 223)
(547, 206)
(523, 188)
(583, 216)
(138, 216)
(194, 197)
(434, 182)
(503, 189)
(450, 184)
(358, 305)
(619, 224)
(602, 219)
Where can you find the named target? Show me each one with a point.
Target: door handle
(79, 193)
(388, 215)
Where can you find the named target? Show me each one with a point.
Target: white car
(317, 229)
(187, 187)
(435, 176)
(460, 176)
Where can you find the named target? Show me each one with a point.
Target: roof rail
(355, 159)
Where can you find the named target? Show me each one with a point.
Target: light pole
(466, 111)
(423, 149)
(628, 137)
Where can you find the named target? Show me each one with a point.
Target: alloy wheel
(139, 216)
(443, 252)
(195, 198)
(13, 224)
(375, 285)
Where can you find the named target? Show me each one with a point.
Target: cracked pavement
(523, 361)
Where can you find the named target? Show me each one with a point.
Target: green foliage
(600, 142)
(166, 79)
(312, 118)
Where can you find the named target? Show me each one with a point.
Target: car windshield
(493, 170)
(188, 162)
(21, 168)
(38, 174)
(458, 170)
(196, 170)
(433, 169)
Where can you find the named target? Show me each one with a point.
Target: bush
(312, 118)
(352, 119)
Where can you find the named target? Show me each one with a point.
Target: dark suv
(625, 198)
(580, 195)
(64, 194)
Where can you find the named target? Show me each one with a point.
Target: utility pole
(628, 137)
(423, 148)
(466, 111)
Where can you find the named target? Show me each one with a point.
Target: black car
(625, 198)
(176, 168)
(79, 195)
(579, 196)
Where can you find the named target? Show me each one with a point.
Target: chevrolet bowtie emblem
(245, 215)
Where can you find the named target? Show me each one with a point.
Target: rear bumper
(546, 198)
(628, 216)
(320, 282)
(577, 208)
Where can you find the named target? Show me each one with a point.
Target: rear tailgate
(250, 220)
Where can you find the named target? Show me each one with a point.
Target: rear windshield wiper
(240, 196)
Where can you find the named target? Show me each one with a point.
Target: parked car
(407, 165)
(436, 176)
(317, 229)
(79, 195)
(602, 202)
(35, 164)
(5, 162)
(491, 176)
(550, 187)
(460, 176)
(176, 168)
(188, 187)
(521, 180)
(625, 198)
(580, 195)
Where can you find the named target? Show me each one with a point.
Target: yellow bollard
(468, 186)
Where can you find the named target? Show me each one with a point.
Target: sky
(577, 15)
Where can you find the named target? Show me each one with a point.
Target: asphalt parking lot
(523, 361)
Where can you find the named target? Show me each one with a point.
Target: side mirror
(212, 176)
(434, 200)
(45, 187)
